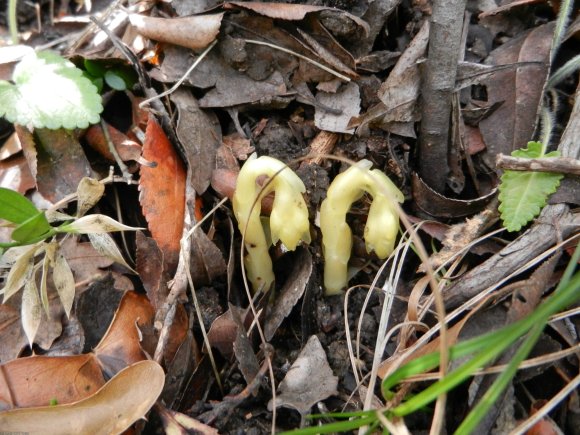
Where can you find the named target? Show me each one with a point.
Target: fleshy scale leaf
(523, 194)
(49, 92)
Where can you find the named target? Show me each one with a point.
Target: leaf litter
(310, 84)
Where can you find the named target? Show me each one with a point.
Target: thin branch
(559, 165)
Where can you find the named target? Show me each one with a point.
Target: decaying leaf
(96, 224)
(38, 380)
(121, 345)
(162, 192)
(117, 405)
(150, 269)
(308, 381)
(194, 32)
(291, 292)
(106, 246)
(199, 136)
(20, 271)
(55, 181)
(291, 11)
(89, 192)
(512, 125)
(31, 310)
(64, 282)
(336, 109)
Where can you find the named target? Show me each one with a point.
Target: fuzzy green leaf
(523, 194)
(49, 92)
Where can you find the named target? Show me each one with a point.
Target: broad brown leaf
(38, 380)
(520, 89)
(121, 344)
(117, 405)
(162, 190)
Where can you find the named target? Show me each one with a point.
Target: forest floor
(164, 319)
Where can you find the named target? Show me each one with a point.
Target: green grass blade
(339, 426)
(500, 384)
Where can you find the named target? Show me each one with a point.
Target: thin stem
(12, 22)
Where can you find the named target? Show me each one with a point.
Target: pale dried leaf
(89, 192)
(122, 401)
(309, 380)
(96, 223)
(47, 261)
(64, 282)
(105, 245)
(345, 104)
(19, 273)
(31, 310)
(194, 32)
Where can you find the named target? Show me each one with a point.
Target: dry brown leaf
(128, 149)
(290, 11)
(162, 192)
(199, 136)
(344, 104)
(194, 32)
(55, 181)
(512, 125)
(309, 380)
(150, 269)
(290, 293)
(117, 405)
(38, 380)
(121, 345)
(15, 174)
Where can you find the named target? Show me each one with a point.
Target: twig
(438, 85)
(224, 409)
(559, 165)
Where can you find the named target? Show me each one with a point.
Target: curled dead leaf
(195, 32)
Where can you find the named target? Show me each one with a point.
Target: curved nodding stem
(288, 220)
(382, 224)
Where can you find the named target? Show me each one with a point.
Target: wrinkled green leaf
(49, 92)
(523, 194)
(31, 229)
(15, 207)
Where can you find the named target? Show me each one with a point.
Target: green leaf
(523, 194)
(15, 207)
(115, 81)
(49, 92)
(31, 229)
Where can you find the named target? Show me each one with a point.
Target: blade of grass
(500, 384)
(339, 426)
(503, 338)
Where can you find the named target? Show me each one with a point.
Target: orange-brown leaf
(38, 380)
(162, 190)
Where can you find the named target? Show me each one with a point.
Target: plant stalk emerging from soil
(382, 224)
(288, 220)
